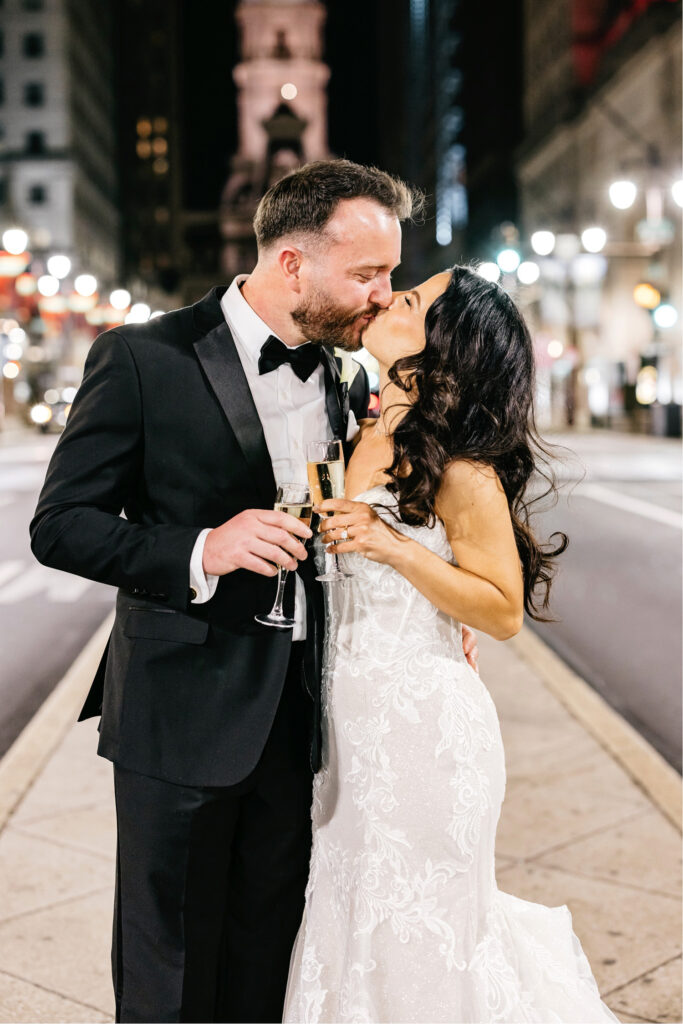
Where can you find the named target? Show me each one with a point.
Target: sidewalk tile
(623, 931)
(74, 777)
(656, 996)
(65, 949)
(23, 1003)
(564, 803)
(624, 853)
(518, 692)
(90, 829)
(532, 748)
(36, 873)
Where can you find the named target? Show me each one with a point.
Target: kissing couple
(234, 900)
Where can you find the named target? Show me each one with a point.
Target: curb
(644, 764)
(33, 747)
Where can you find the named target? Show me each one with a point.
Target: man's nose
(382, 294)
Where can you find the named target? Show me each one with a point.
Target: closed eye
(407, 300)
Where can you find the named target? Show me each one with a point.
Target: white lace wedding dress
(403, 918)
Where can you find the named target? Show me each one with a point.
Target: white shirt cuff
(352, 426)
(204, 583)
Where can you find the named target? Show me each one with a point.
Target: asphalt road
(618, 589)
(617, 595)
(46, 616)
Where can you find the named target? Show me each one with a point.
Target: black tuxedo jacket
(164, 427)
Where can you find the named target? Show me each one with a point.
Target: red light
(374, 402)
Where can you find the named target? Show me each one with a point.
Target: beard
(321, 321)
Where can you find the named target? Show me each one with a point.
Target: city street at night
(617, 596)
(231, 232)
(46, 616)
(618, 592)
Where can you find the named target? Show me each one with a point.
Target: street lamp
(139, 313)
(622, 194)
(48, 285)
(59, 266)
(489, 271)
(665, 315)
(14, 241)
(594, 239)
(85, 285)
(508, 260)
(543, 242)
(120, 298)
(528, 272)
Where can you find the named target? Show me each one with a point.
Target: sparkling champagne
(325, 467)
(295, 500)
(326, 480)
(300, 510)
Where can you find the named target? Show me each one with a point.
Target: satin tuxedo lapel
(336, 395)
(222, 365)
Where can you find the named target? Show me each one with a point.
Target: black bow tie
(303, 359)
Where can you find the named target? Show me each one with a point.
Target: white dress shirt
(292, 412)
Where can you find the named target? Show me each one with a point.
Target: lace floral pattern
(403, 918)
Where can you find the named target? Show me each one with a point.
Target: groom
(186, 424)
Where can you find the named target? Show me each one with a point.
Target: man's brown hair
(302, 202)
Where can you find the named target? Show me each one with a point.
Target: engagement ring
(345, 534)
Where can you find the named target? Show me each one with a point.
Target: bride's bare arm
(486, 588)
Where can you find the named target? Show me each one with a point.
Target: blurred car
(51, 414)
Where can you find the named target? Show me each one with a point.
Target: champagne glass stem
(277, 610)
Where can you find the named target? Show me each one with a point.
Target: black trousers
(210, 883)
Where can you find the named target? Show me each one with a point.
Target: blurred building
(58, 177)
(602, 105)
(281, 80)
(421, 55)
(149, 79)
(492, 61)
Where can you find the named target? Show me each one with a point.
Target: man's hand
(258, 540)
(469, 646)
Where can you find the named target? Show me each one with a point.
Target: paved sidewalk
(576, 828)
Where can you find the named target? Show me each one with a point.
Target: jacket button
(193, 593)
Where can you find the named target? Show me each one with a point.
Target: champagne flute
(295, 500)
(325, 468)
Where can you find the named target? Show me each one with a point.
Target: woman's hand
(355, 526)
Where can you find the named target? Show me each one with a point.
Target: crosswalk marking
(10, 569)
(20, 580)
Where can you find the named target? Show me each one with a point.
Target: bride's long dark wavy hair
(471, 397)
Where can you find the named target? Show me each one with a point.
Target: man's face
(346, 278)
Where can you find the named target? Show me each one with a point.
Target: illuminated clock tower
(281, 108)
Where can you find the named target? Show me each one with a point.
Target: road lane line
(628, 504)
(10, 569)
(59, 587)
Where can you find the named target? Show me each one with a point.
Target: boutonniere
(349, 367)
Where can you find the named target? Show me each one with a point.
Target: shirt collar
(251, 331)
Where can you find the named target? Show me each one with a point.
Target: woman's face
(399, 330)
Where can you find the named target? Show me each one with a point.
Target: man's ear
(290, 261)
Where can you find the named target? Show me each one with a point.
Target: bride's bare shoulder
(467, 480)
(365, 425)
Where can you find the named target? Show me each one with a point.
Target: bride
(403, 918)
